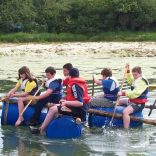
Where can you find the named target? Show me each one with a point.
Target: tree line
(77, 16)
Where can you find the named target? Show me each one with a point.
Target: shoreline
(90, 49)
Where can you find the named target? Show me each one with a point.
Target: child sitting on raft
(52, 94)
(66, 68)
(74, 103)
(136, 96)
(110, 90)
(28, 85)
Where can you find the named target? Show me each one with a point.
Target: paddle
(93, 86)
(32, 98)
(118, 99)
(119, 116)
(151, 108)
(152, 86)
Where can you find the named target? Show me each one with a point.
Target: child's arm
(98, 82)
(12, 91)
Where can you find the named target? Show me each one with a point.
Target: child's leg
(20, 109)
(126, 118)
(51, 114)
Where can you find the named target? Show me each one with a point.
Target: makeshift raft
(104, 121)
(63, 127)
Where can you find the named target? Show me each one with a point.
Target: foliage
(77, 16)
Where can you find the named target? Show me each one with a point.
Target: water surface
(97, 142)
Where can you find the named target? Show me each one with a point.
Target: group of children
(76, 100)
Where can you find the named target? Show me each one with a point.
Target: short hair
(68, 66)
(106, 72)
(137, 69)
(50, 70)
(74, 72)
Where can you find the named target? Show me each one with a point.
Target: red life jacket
(80, 82)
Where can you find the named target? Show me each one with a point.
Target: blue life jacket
(56, 95)
(108, 94)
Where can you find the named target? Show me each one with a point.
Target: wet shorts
(136, 107)
(75, 112)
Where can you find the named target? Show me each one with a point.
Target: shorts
(101, 102)
(136, 107)
(75, 112)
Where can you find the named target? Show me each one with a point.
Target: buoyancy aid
(55, 78)
(23, 84)
(81, 83)
(109, 93)
(142, 99)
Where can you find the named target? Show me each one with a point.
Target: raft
(63, 127)
(102, 121)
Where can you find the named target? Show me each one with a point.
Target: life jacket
(142, 99)
(108, 93)
(57, 79)
(81, 83)
(24, 83)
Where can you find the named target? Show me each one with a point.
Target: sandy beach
(89, 49)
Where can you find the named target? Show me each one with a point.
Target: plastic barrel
(100, 121)
(64, 127)
(12, 114)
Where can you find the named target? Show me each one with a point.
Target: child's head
(136, 72)
(66, 68)
(106, 72)
(50, 72)
(24, 73)
(74, 72)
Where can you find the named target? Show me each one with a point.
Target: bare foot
(19, 121)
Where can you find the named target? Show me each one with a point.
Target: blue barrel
(12, 114)
(64, 127)
(100, 121)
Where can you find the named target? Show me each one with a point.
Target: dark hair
(74, 72)
(68, 66)
(137, 69)
(106, 72)
(50, 70)
(25, 70)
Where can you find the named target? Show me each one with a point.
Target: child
(137, 96)
(66, 68)
(73, 103)
(29, 87)
(110, 89)
(53, 94)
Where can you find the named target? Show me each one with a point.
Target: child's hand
(119, 94)
(12, 95)
(62, 100)
(127, 67)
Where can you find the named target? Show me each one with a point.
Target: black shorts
(136, 107)
(75, 112)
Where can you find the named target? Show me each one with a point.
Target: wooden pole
(93, 86)
(32, 98)
(119, 116)
(118, 99)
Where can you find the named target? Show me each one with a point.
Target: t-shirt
(54, 85)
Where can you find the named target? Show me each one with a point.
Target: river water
(97, 142)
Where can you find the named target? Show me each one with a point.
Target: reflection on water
(99, 142)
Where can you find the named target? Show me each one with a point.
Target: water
(97, 142)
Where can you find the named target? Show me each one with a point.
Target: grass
(69, 37)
